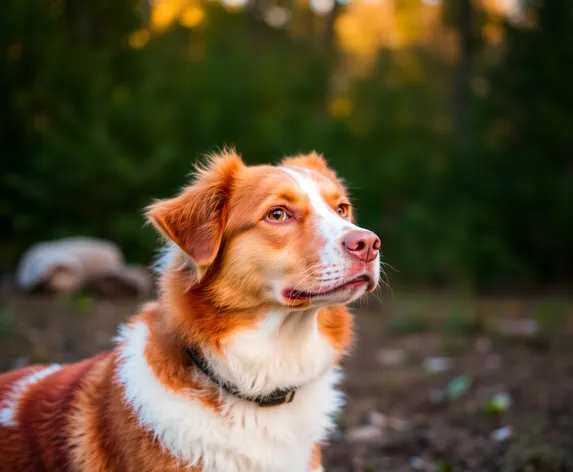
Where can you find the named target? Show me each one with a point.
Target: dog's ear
(313, 161)
(195, 219)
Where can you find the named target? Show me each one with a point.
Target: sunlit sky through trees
(361, 27)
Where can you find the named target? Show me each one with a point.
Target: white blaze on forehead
(330, 226)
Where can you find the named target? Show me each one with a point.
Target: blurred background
(451, 121)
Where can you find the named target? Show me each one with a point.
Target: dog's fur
(262, 297)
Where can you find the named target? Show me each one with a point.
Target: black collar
(276, 397)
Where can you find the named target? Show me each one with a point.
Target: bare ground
(434, 383)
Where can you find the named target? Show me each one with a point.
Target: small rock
(64, 265)
(378, 419)
(397, 424)
(364, 434)
(390, 357)
(436, 397)
(518, 327)
(417, 463)
(501, 434)
(437, 364)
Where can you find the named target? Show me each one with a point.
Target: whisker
(385, 264)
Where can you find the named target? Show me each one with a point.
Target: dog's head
(269, 235)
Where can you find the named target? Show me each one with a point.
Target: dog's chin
(343, 294)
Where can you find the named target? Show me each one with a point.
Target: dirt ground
(434, 383)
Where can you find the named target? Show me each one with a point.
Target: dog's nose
(362, 244)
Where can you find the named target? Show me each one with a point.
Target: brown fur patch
(316, 460)
(38, 441)
(196, 218)
(335, 323)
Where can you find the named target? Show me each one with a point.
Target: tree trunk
(465, 23)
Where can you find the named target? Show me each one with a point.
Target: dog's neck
(259, 349)
(282, 350)
(181, 406)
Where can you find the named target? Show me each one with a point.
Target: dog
(235, 367)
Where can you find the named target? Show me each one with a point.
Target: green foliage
(550, 318)
(93, 130)
(498, 404)
(6, 321)
(521, 170)
(458, 386)
(444, 466)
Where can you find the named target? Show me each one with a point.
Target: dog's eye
(343, 210)
(278, 214)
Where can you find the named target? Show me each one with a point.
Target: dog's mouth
(301, 295)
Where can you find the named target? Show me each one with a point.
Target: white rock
(502, 434)
(390, 357)
(417, 463)
(437, 364)
(378, 419)
(519, 327)
(65, 264)
(397, 424)
(364, 434)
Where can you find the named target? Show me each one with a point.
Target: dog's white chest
(243, 437)
(271, 439)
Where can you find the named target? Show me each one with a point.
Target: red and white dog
(234, 368)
